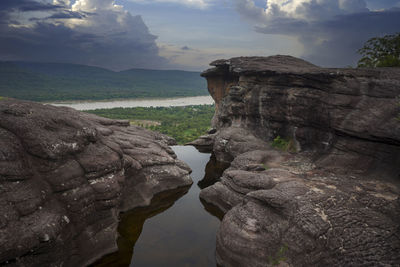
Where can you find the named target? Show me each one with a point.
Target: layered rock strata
(332, 196)
(66, 175)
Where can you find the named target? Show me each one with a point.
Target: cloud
(26, 5)
(202, 4)
(92, 32)
(306, 10)
(311, 10)
(382, 4)
(65, 14)
(331, 31)
(249, 11)
(17, 6)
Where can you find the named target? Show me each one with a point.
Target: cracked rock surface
(333, 200)
(65, 176)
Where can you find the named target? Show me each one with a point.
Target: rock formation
(66, 175)
(331, 195)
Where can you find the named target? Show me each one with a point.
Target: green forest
(60, 82)
(185, 124)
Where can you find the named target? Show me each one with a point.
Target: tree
(381, 52)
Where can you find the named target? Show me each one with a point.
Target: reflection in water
(213, 172)
(182, 234)
(213, 210)
(131, 225)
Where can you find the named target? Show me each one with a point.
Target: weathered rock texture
(66, 175)
(333, 202)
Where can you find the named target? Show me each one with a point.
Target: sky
(189, 34)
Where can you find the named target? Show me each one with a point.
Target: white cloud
(307, 10)
(96, 5)
(202, 4)
(62, 2)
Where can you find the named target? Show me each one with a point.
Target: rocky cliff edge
(315, 163)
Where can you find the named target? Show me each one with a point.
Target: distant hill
(58, 82)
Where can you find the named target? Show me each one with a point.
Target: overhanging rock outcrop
(332, 197)
(65, 176)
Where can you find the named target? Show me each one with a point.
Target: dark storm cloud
(68, 15)
(9, 6)
(26, 5)
(65, 14)
(110, 37)
(330, 32)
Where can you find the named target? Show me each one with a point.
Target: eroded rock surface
(332, 200)
(66, 175)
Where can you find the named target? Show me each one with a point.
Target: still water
(163, 102)
(176, 229)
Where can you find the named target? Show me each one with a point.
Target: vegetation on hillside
(185, 124)
(60, 82)
(381, 52)
(284, 144)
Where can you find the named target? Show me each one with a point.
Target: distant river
(131, 103)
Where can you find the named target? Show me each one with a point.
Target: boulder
(66, 175)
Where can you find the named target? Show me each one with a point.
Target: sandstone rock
(66, 175)
(233, 141)
(204, 143)
(320, 222)
(335, 202)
